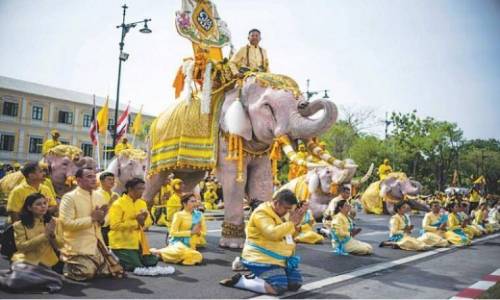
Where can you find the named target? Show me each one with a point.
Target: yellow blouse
(453, 222)
(397, 224)
(342, 225)
(430, 218)
(33, 246)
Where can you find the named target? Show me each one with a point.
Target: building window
(87, 120)
(37, 113)
(10, 109)
(87, 149)
(7, 142)
(36, 145)
(109, 152)
(65, 117)
(111, 124)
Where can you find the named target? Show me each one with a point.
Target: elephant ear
(237, 122)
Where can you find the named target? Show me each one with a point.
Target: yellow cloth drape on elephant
(371, 200)
(183, 137)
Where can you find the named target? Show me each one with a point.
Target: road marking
(482, 285)
(373, 233)
(371, 269)
(214, 230)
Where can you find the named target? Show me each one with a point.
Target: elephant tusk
(367, 175)
(321, 154)
(293, 157)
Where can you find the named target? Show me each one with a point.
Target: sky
(441, 58)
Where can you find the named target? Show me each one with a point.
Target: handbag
(24, 277)
(8, 243)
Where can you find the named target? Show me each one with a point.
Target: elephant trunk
(304, 127)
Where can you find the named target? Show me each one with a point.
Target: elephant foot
(233, 236)
(231, 243)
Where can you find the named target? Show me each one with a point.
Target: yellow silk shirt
(33, 246)
(430, 218)
(340, 224)
(18, 195)
(125, 232)
(80, 233)
(453, 222)
(255, 59)
(182, 224)
(49, 144)
(397, 225)
(266, 229)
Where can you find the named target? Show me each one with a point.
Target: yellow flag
(102, 117)
(136, 126)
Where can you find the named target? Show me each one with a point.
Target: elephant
(62, 161)
(381, 195)
(128, 164)
(269, 112)
(318, 185)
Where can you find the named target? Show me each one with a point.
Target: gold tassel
(239, 142)
(235, 152)
(275, 154)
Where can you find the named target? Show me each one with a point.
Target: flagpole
(104, 150)
(133, 126)
(97, 134)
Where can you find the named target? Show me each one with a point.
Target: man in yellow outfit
(34, 178)
(49, 144)
(122, 146)
(252, 57)
(269, 251)
(174, 201)
(384, 169)
(210, 197)
(298, 170)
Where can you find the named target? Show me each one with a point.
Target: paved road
(437, 276)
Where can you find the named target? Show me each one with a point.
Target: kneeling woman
(400, 230)
(38, 238)
(128, 218)
(185, 225)
(455, 233)
(343, 233)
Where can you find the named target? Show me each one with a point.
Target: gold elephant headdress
(134, 154)
(66, 150)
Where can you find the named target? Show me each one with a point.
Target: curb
(475, 290)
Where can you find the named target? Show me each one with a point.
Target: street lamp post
(123, 57)
(309, 93)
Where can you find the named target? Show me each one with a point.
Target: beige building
(28, 111)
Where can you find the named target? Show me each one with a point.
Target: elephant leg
(260, 179)
(418, 206)
(317, 209)
(153, 186)
(233, 227)
(389, 207)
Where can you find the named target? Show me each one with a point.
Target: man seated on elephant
(34, 177)
(122, 146)
(252, 57)
(269, 248)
